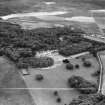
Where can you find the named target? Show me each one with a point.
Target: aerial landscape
(52, 52)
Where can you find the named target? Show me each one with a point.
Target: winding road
(101, 73)
(101, 88)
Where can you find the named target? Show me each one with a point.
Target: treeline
(17, 43)
(82, 85)
(91, 99)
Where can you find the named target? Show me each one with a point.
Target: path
(102, 75)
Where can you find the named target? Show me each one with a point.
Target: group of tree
(35, 62)
(82, 85)
(87, 63)
(17, 43)
(91, 99)
(70, 66)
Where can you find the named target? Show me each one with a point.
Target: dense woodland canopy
(17, 43)
(91, 99)
(82, 85)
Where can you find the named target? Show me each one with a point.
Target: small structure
(25, 72)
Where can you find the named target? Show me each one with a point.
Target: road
(102, 76)
(101, 73)
(95, 38)
(101, 87)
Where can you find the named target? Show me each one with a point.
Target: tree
(87, 64)
(96, 73)
(21, 65)
(77, 66)
(91, 99)
(58, 100)
(55, 93)
(82, 85)
(65, 61)
(69, 66)
(39, 77)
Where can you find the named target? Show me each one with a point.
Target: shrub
(55, 93)
(1, 51)
(36, 62)
(39, 77)
(77, 66)
(41, 62)
(87, 64)
(65, 61)
(96, 73)
(58, 100)
(22, 65)
(69, 66)
(83, 59)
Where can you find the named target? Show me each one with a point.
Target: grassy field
(47, 97)
(9, 79)
(56, 79)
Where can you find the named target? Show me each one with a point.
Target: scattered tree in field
(36, 62)
(55, 93)
(87, 64)
(82, 85)
(96, 73)
(83, 59)
(39, 77)
(77, 66)
(58, 100)
(69, 66)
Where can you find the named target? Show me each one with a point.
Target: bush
(65, 61)
(69, 66)
(58, 100)
(87, 64)
(55, 93)
(1, 51)
(77, 66)
(39, 62)
(96, 73)
(39, 77)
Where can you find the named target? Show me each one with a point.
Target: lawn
(56, 79)
(47, 97)
(9, 79)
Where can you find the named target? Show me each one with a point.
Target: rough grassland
(10, 78)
